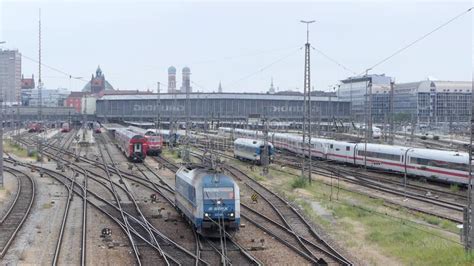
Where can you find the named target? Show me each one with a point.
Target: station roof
(112, 126)
(242, 96)
(139, 124)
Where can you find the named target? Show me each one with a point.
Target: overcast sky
(242, 44)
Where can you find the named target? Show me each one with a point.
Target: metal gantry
(468, 230)
(1, 145)
(158, 109)
(307, 106)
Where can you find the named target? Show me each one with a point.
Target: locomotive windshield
(219, 193)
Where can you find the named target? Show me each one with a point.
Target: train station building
(223, 106)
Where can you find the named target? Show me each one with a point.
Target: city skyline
(242, 55)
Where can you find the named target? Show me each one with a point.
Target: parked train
(133, 145)
(207, 198)
(252, 150)
(96, 127)
(154, 139)
(449, 166)
(35, 127)
(166, 135)
(65, 127)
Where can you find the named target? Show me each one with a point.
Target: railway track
(156, 187)
(16, 215)
(297, 233)
(112, 212)
(418, 193)
(322, 251)
(133, 209)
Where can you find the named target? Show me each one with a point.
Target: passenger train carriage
(133, 145)
(153, 138)
(252, 150)
(449, 166)
(166, 135)
(35, 127)
(207, 198)
(65, 127)
(96, 127)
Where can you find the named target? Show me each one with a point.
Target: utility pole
(173, 120)
(266, 155)
(468, 230)
(367, 116)
(40, 99)
(187, 107)
(391, 114)
(1, 146)
(158, 111)
(307, 105)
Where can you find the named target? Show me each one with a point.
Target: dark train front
(208, 199)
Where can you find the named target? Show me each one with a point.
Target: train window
(348, 148)
(331, 146)
(385, 156)
(216, 193)
(440, 164)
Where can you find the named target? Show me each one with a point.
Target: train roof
(251, 142)
(112, 126)
(140, 124)
(452, 156)
(383, 147)
(137, 129)
(202, 175)
(127, 132)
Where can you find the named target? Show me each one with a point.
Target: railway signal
(106, 232)
(254, 197)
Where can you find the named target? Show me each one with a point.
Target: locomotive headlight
(219, 202)
(231, 214)
(206, 214)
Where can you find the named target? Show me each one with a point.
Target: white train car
(339, 151)
(251, 149)
(385, 157)
(448, 166)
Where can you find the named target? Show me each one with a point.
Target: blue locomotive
(208, 199)
(252, 149)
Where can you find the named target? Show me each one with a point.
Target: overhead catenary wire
(67, 75)
(334, 60)
(260, 70)
(400, 50)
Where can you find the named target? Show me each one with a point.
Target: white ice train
(449, 166)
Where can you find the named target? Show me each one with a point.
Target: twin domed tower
(186, 84)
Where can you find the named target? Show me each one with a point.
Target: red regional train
(133, 145)
(35, 127)
(96, 127)
(154, 141)
(65, 128)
